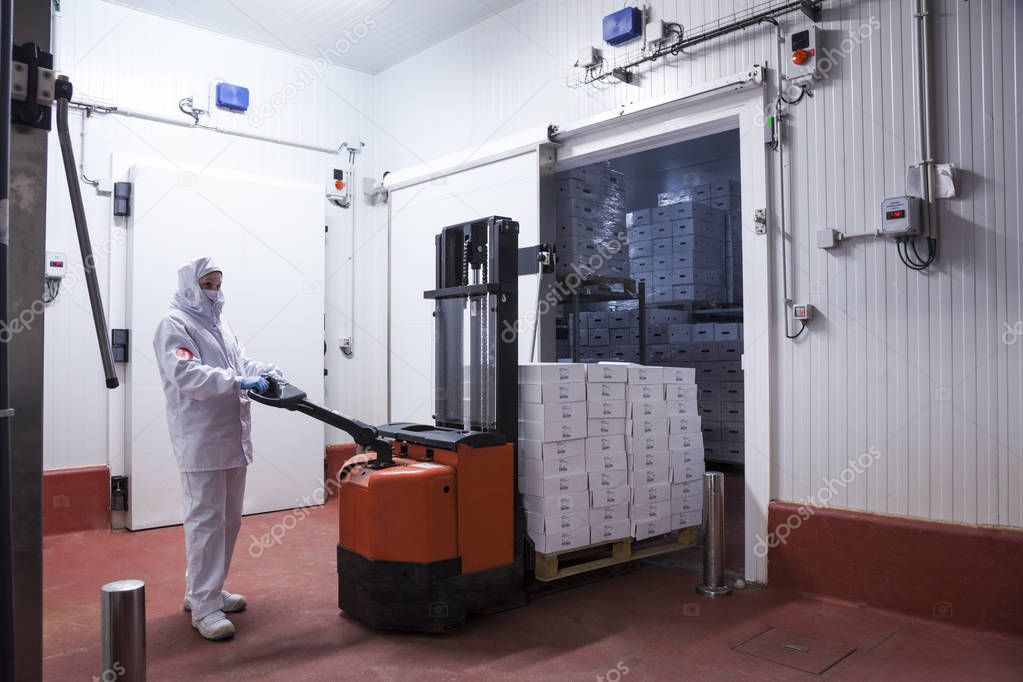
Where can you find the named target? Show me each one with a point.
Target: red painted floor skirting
(76, 499)
(967, 575)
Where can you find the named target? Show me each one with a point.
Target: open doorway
(668, 291)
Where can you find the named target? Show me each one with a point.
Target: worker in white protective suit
(205, 379)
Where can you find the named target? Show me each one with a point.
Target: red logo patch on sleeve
(184, 353)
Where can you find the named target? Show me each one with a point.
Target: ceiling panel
(368, 35)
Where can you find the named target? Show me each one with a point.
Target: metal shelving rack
(604, 290)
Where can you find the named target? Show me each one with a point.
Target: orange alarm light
(800, 57)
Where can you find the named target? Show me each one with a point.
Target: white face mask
(213, 295)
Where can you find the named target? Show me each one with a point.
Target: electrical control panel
(900, 217)
(624, 25)
(803, 47)
(802, 312)
(56, 265)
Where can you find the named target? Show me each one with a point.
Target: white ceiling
(368, 35)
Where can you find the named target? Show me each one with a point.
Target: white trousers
(213, 516)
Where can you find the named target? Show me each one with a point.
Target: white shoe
(214, 626)
(233, 603)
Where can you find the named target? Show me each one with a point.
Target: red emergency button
(800, 57)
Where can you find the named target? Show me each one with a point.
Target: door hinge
(119, 344)
(118, 493)
(760, 221)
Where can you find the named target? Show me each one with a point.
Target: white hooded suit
(202, 365)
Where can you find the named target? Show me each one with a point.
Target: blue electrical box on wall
(622, 26)
(233, 97)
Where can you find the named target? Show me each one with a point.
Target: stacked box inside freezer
(552, 455)
(714, 350)
(678, 248)
(724, 196)
(590, 214)
(608, 335)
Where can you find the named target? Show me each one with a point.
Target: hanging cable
(802, 328)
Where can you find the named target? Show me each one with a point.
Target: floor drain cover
(795, 650)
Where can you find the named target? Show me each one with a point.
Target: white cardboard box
(688, 424)
(687, 489)
(606, 409)
(681, 392)
(650, 459)
(565, 392)
(649, 476)
(552, 466)
(552, 372)
(679, 408)
(686, 440)
(610, 478)
(562, 429)
(616, 512)
(550, 412)
(686, 504)
(606, 461)
(536, 449)
(658, 492)
(566, 502)
(611, 530)
(638, 374)
(607, 373)
(649, 528)
(605, 391)
(560, 542)
(679, 375)
(553, 485)
(644, 392)
(604, 444)
(609, 497)
(684, 458)
(637, 444)
(605, 427)
(647, 409)
(689, 472)
(687, 519)
(539, 524)
(639, 511)
(647, 426)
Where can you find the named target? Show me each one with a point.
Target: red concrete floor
(649, 622)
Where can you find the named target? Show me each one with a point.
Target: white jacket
(202, 364)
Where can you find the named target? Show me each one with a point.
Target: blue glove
(258, 383)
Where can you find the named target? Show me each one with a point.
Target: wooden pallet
(558, 565)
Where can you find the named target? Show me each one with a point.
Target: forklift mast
(477, 358)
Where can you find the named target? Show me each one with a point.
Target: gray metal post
(714, 536)
(123, 607)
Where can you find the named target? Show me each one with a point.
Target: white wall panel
(913, 364)
(137, 60)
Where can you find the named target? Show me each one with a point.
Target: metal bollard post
(123, 608)
(714, 536)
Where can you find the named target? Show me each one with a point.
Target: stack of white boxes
(678, 248)
(724, 196)
(552, 455)
(591, 236)
(665, 450)
(606, 462)
(608, 451)
(647, 447)
(685, 447)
